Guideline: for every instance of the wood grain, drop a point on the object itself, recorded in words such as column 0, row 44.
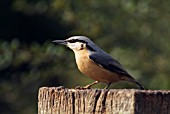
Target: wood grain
column 59, row 100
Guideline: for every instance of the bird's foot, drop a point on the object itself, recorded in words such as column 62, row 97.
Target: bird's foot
column 107, row 86
column 86, row 87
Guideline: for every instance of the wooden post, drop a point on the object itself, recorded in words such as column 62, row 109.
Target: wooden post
column 59, row 100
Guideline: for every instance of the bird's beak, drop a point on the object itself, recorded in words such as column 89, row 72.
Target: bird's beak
column 63, row 42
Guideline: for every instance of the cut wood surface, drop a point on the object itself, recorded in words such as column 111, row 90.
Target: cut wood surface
column 59, row 100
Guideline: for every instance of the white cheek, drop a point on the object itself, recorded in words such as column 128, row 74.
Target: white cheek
column 74, row 46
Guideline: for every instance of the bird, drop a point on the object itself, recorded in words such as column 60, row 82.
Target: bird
column 96, row 63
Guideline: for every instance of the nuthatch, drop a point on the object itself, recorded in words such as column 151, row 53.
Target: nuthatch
column 95, row 63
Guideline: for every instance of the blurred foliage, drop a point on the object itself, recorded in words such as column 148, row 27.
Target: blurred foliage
column 135, row 32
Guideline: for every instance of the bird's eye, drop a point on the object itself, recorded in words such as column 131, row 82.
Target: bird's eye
column 82, row 46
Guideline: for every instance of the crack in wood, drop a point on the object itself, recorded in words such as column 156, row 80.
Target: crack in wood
column 104, row 101
column 98, row 92
column 73, row 101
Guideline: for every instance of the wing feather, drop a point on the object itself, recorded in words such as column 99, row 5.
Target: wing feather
column 109, row 63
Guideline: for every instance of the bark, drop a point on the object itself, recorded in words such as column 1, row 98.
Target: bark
column 59, row 100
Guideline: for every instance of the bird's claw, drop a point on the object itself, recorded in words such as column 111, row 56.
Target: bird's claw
column 78, row 87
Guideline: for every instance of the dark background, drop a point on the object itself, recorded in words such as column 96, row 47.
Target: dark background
column 135, row 32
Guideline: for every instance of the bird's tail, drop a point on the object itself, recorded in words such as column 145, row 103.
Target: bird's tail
column 131, row 79
column 139, row 85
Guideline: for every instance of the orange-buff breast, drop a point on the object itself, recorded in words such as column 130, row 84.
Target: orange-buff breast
column 94, row 70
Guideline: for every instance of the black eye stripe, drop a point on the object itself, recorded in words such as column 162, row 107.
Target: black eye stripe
column 76, row 40
column 82, row 41
column 71, row 41
column 90, row 48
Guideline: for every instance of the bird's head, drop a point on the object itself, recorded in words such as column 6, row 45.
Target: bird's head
column 77, row 43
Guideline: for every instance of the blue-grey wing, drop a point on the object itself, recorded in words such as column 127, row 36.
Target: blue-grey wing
column 109, row 63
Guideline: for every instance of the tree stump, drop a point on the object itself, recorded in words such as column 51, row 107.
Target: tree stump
column 59, row 100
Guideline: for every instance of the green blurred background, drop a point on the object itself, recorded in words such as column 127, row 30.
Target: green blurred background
column 135, row 32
